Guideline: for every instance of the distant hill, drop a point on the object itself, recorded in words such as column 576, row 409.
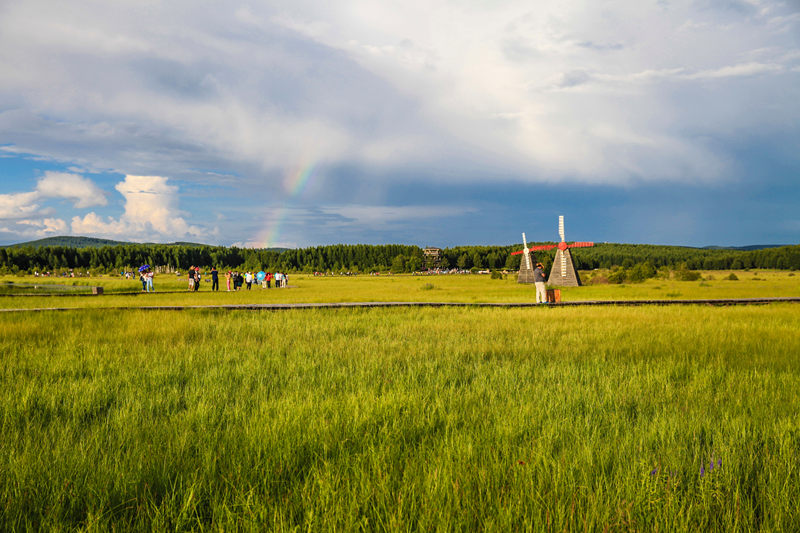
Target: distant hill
column 92, row 242
column 184, row 243
column 87, row 242
column 72, row 242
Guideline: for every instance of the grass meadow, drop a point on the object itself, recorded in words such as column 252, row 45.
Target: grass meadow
column 171, row 290
column 544, row 419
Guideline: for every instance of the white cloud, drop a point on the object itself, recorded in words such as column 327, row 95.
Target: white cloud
column 81, row 190
column 28, row 218
column 151, row 213
column 149, row 200
column 745, row 69
column 17, row 206
column 45, row 227
column 92, row 224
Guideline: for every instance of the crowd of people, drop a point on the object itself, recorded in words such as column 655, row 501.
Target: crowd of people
column 64, row 274
column 235, row 280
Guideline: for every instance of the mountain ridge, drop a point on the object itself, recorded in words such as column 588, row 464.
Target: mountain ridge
column 90, row 242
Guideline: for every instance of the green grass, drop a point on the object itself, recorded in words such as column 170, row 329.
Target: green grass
column 171, row 290
column 402, row 419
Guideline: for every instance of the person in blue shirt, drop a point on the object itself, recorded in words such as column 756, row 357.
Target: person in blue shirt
column 214, row 279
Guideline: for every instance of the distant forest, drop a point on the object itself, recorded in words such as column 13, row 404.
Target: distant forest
column 369, row 258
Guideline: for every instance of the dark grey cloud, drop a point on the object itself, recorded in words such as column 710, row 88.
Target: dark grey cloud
column 601, row 47
column 574, row 78
column 735, row 8
column 253, row 102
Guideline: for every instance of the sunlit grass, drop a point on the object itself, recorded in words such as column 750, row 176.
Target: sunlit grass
column 402, row 419
column 171, row 290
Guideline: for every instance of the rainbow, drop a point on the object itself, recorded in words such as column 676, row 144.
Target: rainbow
column 294, row 184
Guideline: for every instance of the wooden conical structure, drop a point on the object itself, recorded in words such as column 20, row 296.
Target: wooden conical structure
column 525, row 271
column 563, row 273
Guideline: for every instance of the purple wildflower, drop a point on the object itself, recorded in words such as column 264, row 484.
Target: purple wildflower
column 719, row 463
column 654, row 471
column 711, row 465
column 703, row 470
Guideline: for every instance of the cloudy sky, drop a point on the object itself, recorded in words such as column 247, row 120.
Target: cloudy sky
column 430, row 123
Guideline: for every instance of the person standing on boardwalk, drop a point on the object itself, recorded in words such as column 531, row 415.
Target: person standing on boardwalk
column 196, row 279
column 538, row 281
column 214, row 279
column 268, row 279
column 248, row 279
column 191, row 278
column 149, row 277
column 228, row 280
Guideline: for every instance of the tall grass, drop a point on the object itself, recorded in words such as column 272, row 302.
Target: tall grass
column 543, row 419
column 456, row 288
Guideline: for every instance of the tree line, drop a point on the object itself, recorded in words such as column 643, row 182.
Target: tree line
column 610, row 255
column 368, row 258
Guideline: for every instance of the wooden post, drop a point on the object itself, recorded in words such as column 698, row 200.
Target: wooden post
column 97, row 291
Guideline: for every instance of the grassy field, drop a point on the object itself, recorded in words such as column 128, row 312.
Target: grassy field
column 171, row 290
column 404, row 419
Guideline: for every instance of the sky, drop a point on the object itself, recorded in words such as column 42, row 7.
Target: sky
column 304, row 123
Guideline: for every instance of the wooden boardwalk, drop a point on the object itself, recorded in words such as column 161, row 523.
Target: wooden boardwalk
column 358, row 305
